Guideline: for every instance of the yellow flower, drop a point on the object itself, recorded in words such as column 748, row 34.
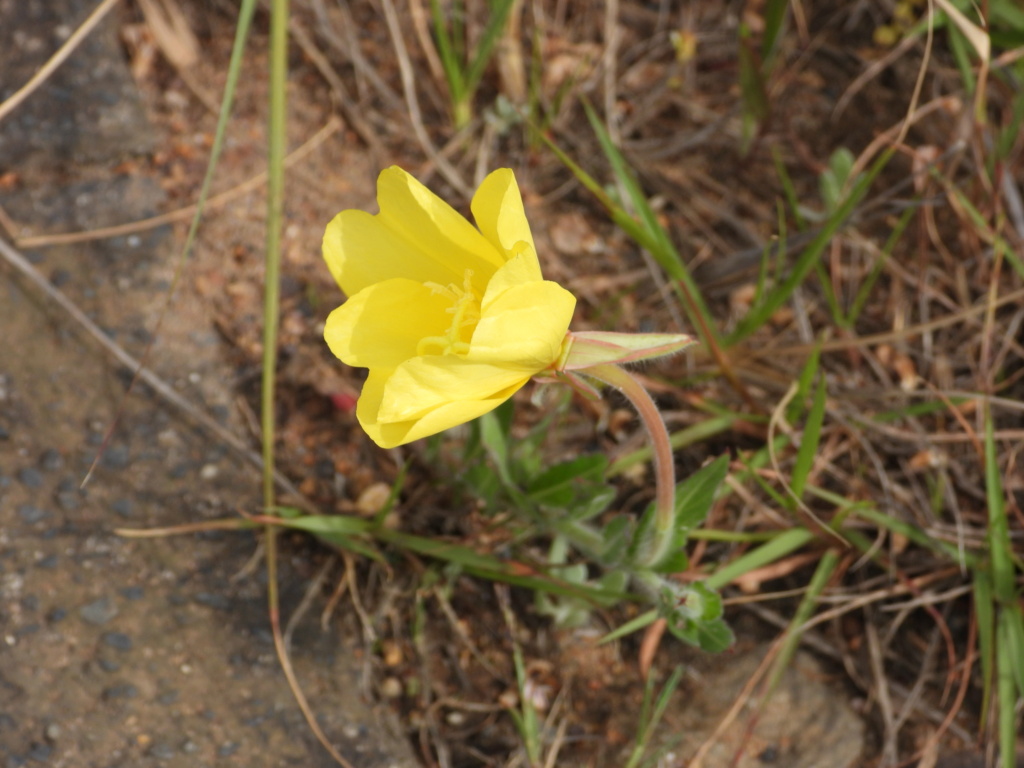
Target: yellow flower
column 451, row 320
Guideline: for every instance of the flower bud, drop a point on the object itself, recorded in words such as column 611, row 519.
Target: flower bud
column 584, row 349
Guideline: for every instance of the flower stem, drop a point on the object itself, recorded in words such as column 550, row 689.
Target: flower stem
column 664, row 465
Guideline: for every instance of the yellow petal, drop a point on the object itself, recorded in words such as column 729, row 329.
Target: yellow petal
column 524, row 327
column 423, row 384
column 373, row 328
column 517, row 271
column 388, row 434
column 416, row 235
column 498, row 209
column 444, row 417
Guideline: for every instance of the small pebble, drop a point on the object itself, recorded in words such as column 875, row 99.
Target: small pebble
column 132, row 593
column 179, row 470
column 162, row 751
column 167, row 698
column 56, row 615
column 30, row 603
column 391, row 688
column 67, row 500
column 227, row 749
column 190, row 747
column 30, row 477
column 60, row 277
column 52, row 732
column 115, row 457
column 50, row 561
column 98, row 612
column 40, row 753
column 109, row 665
column 213, row 600
column 118, row 641
column 124, row 691
column 122, row 507
column 30, row 513
column 51, row 460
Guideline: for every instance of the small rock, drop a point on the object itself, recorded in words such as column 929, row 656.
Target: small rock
column 98, row 612
column 30, row 477
column 115, row 457
column 132, row 593
column 51, row 460
column 30, row 513
column 372, row 500
column 167, row 698
column 213, row 600
column 391, row 688
column 56, row 615
column 68, row 501
column 118, row 641
column 122, row 507
column 227, row 749
column 162, row 751
column 40, row 753
column 123, row 691
column 60, row 278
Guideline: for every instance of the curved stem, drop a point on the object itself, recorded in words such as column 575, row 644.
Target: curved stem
column 664, row 465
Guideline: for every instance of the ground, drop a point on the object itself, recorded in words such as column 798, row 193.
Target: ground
column 158, row 651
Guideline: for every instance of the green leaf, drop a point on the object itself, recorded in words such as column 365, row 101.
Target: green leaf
column 676, row 560
column 590, row 507
column 1012, row 625
column 493, row 436
column 715, row 636
column 784, row 544
column 563, row 483
column 835, row 179
column 984, row 611
column 616, row 537
column 809, row 442
column 696, row 494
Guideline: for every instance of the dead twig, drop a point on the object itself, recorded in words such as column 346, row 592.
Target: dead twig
column 451, row 175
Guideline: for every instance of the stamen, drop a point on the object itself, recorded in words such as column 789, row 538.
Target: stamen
column 465, row 311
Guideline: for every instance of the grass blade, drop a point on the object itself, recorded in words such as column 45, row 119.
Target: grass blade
column 783, row 544
column 760, row 314
column 809, row 442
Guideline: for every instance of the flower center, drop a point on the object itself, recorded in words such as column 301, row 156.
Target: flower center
column 465, row 312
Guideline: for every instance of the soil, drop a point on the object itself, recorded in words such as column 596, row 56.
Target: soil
column 119, row 651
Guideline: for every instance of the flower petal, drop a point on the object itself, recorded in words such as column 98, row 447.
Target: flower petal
column 498, row 209
column 423, row 384
column 416, row 235
column 444, row 417
column 519, row 270
column 373, row 327
column 524, row 327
